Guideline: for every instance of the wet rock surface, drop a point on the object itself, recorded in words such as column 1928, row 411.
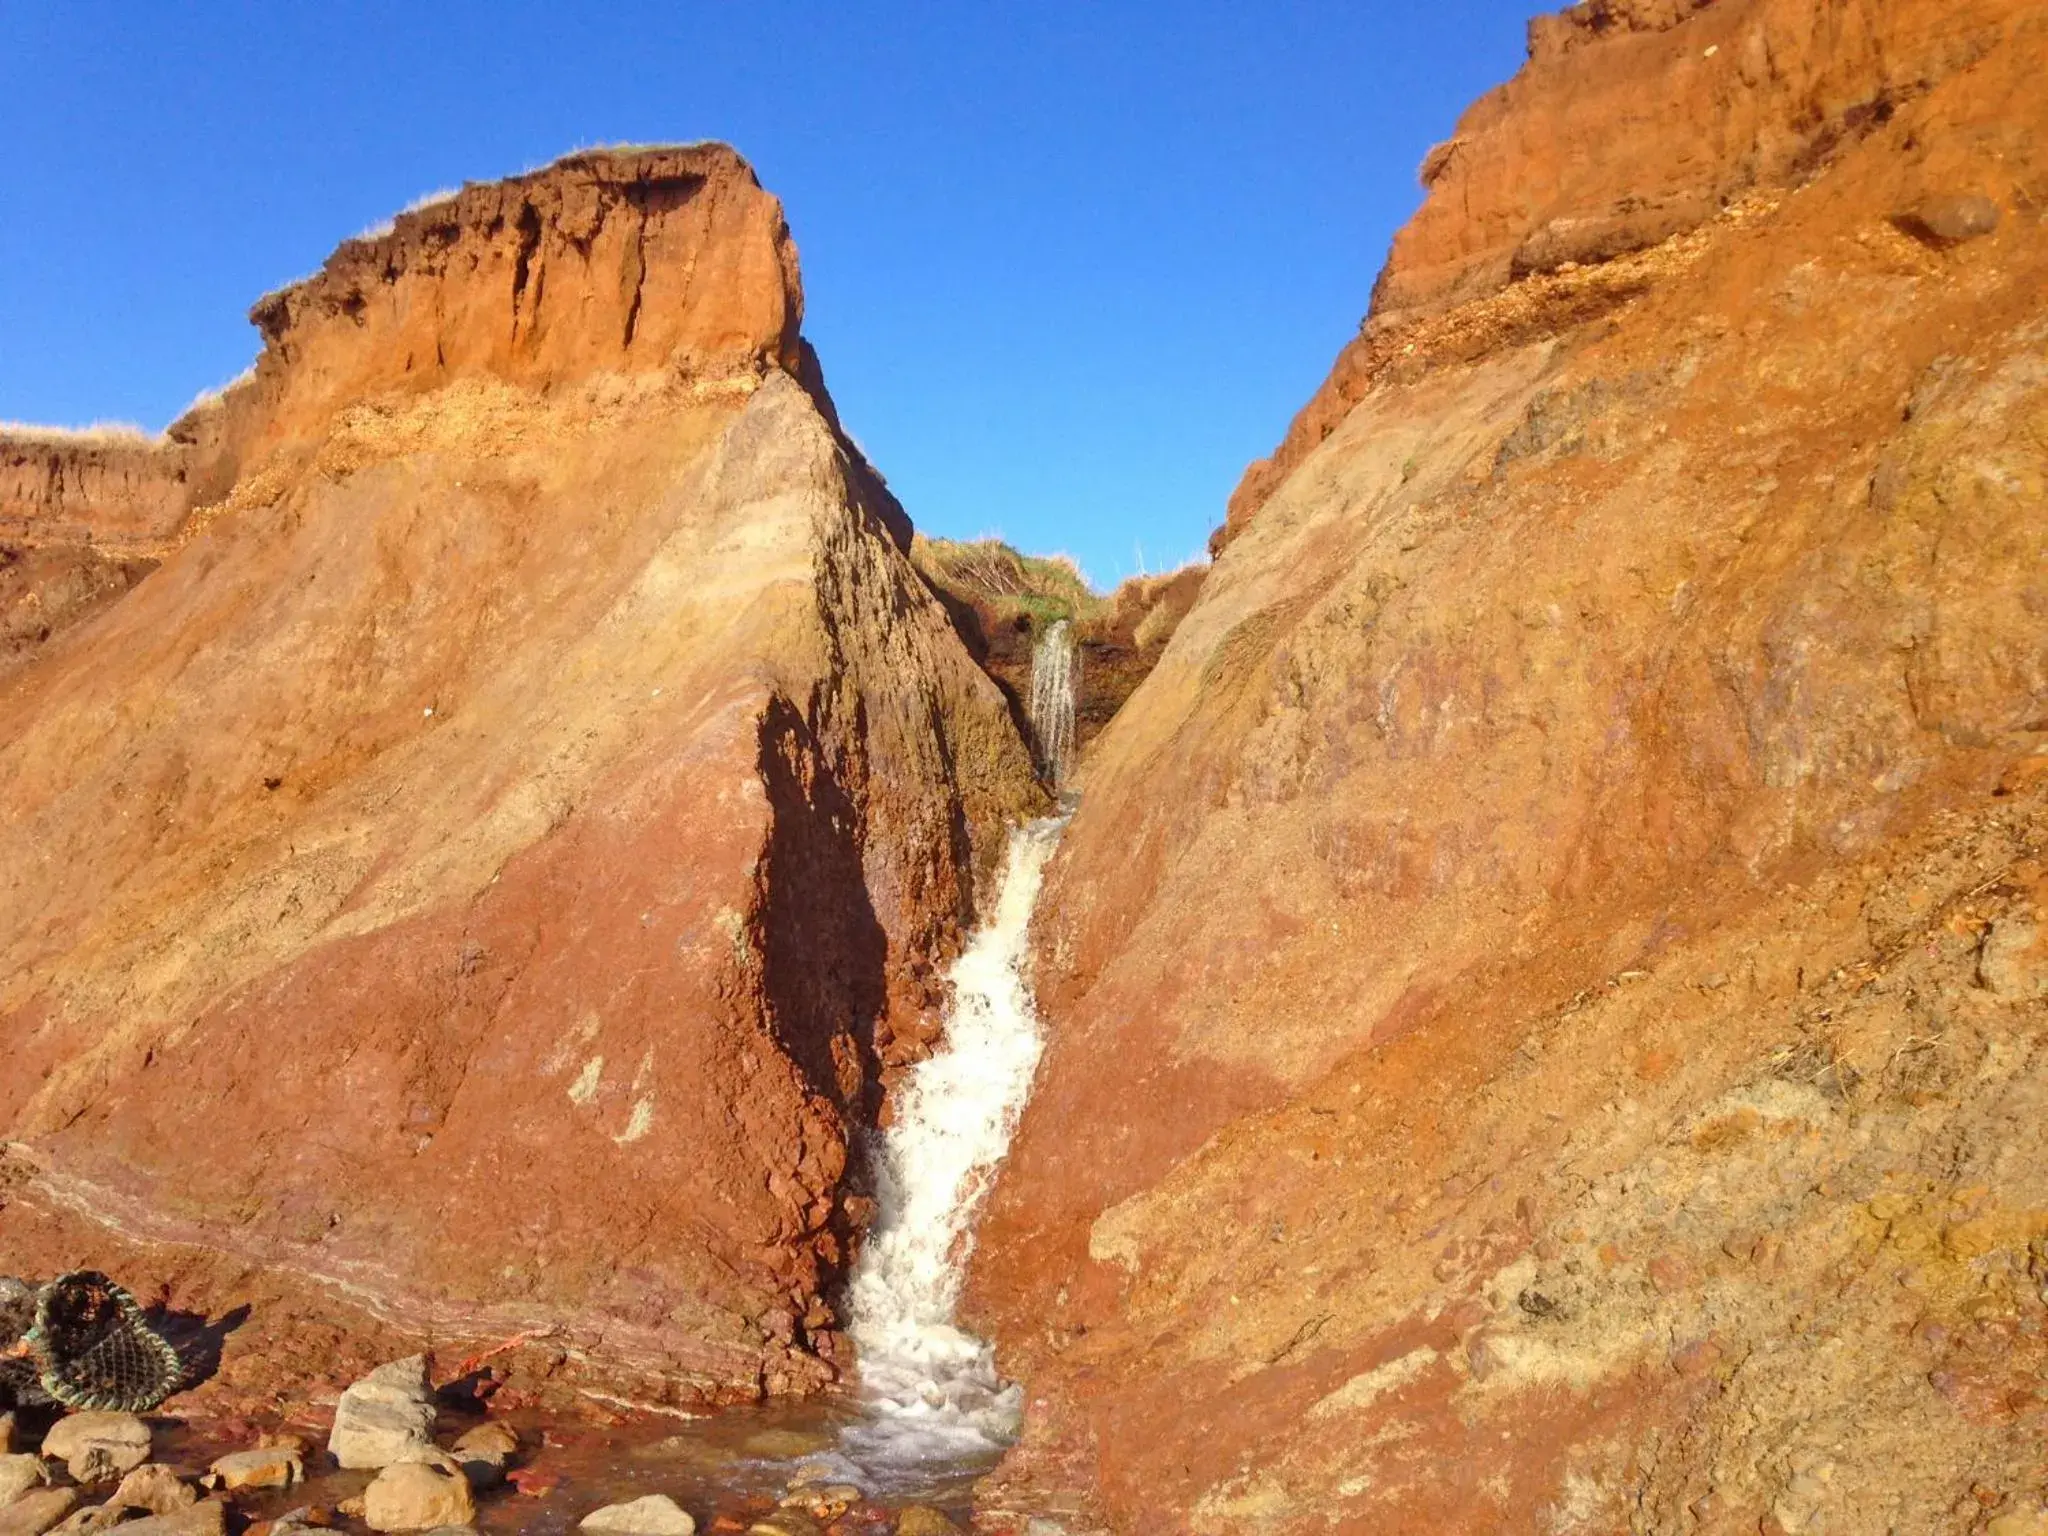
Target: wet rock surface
column 274, row 1467
column 485, row 1453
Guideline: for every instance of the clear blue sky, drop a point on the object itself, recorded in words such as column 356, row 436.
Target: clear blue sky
column 1070, row 266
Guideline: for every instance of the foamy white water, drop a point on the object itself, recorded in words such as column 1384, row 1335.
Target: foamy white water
column 930, row 1389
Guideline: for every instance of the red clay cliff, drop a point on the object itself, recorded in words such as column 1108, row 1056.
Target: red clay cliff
column 1545, row 988
column 485, row 873
column 1635, row 121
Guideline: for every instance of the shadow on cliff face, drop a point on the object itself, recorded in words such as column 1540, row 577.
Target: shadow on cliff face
column 825, row 951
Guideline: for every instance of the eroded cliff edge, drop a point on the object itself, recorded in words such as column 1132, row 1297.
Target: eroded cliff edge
column 486, row 872
column 1545, row 986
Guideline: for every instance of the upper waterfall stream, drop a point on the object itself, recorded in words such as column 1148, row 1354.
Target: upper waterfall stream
column 1055, row 694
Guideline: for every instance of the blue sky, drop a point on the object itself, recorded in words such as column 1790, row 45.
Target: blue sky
column 1070, row 266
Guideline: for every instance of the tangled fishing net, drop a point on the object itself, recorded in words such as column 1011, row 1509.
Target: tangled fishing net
column 82, row 1341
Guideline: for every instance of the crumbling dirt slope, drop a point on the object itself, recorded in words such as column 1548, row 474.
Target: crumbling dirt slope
column 83, row 516
column 488, row 869
column 1544, row 986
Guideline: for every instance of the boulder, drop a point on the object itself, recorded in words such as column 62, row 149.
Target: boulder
column 270, row 1467
column 418, row 1496
column 822, row 1501
column 484, row 1453
column 18, row 1474
column 385, row 1417
column 207, row 1518
column 492, row 1438
column 34, row 1513
column 98, row 1447
column 2011, row 961
column 1951, row 218
column 90, row 1520
column 156, row 1488
column 307, row 1517
column 655, row 1515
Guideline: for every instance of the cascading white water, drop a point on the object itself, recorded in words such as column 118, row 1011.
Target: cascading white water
column 1055, row 683
column 930, row 1389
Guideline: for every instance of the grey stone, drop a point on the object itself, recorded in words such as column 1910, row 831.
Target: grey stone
column 655, row 1515
column 18, row 1474
column 98, row 1447
column 386, row 1416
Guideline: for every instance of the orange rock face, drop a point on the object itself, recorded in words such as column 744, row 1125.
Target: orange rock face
column 83, row 516
column 664, row 260
column 80, row 487
column 489, row 867
column 1638, row 120
column 1529, row 1022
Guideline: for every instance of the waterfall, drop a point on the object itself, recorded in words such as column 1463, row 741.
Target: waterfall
column 1055, row 683
column 929, row 1389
